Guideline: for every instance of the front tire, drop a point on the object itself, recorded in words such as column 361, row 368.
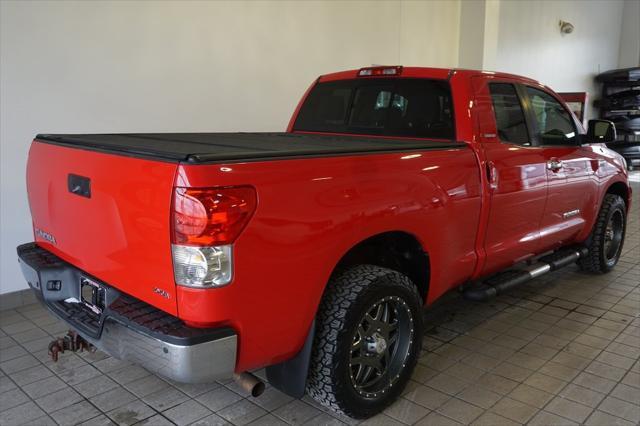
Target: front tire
column 367, row 342
column 607, row 237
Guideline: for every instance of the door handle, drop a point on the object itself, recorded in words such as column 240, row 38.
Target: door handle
column 554, row 165
column 492, row 175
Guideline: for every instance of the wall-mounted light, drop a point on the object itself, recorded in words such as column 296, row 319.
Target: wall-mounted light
column 566, row 27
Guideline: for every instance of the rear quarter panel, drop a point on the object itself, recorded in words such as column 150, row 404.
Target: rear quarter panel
column 310, row 213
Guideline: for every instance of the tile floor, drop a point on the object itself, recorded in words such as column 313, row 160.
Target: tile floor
column 564, row 349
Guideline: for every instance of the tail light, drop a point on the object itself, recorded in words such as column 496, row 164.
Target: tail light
column 205, row 223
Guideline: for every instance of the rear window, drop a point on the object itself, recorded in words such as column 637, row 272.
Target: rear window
column 389, row 107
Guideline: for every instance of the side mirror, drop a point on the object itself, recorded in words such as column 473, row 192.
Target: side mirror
column 601, row 131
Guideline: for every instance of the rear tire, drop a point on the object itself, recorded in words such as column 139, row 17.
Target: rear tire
column 607, row 237
column 367, row 342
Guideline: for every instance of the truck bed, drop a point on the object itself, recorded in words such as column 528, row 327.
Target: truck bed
column 218, row 147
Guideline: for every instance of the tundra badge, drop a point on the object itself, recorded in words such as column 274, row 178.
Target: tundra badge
column 45, row 235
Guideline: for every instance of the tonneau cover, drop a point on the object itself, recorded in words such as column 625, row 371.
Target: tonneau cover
column 214, row 147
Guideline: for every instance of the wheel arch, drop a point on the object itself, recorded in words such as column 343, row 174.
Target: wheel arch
column 621, row 189
column 397, row 250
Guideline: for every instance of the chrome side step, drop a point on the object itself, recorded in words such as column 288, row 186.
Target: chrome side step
column 507, row 280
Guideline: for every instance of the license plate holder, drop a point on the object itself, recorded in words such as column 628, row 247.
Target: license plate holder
column 92, row 295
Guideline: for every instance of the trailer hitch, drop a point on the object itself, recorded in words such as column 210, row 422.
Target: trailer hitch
column 72, row 341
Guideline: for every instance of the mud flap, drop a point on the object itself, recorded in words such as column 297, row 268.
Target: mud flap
column 290, row 376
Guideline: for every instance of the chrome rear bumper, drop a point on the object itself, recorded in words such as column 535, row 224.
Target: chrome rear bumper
column 128, row 328
column 198, row 363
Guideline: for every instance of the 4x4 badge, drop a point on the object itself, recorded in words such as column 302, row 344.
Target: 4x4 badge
column 161, row 292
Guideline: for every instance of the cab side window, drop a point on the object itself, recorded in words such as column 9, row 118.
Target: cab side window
column 555, row 124
column 510, row 121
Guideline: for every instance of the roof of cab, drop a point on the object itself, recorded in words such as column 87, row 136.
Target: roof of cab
column 423, row 72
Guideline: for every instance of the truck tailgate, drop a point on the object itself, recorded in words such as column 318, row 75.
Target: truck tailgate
column 108, row 215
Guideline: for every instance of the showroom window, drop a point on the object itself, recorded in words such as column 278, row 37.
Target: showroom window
column 510, row 121
column 389, row 107
column 555, row 124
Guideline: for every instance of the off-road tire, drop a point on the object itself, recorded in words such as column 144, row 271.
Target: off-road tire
column 596, row 261
column 346, row 299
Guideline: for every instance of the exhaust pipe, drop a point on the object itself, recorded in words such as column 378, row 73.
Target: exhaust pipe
column 249, row 383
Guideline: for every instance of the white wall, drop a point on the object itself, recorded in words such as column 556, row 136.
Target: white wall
column 530, row 42
column 183, row 66
column 630, row 35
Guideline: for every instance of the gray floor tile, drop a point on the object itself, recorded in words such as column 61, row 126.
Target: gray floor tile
column 12, row 352
column 12, row 398
column 19, row 364
column 600, row 418
column 272, row 399
column 242, row 412
column 620, row 408
column 514, row 410
column 44, row 387
column 95, row 386
column 381, row 420
column 215, row 420
column 128, row 374
column 458, row 410
column 569, row 409
column 626, row 393
column 497, row 384
column 146, row 385
column 218, row 399
column 435, row 418
column 58, row 399
column 546, row 383
column 101, row 420
column 196, row 389
column 21, row 414
column 165, row 398
column 112, row 399
column 157, row 420
column 6, row 384
column 605, row 370
column 325, row 419
column 186, row 413
column 132, row 413
column 296, row 412
column 446, row 384
column 78, row 375
column 18, row 327
column 30, row 375
column 492, row 419
column 582, row 395
column 427, row 397
column 544, row 418
column 75, row 413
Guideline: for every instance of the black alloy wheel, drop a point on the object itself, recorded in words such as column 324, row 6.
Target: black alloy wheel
column 613, row 235
column 381, row 346
column 368, row 337
column 607, row 237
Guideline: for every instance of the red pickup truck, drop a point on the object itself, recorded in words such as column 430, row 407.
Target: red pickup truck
column 313, row 252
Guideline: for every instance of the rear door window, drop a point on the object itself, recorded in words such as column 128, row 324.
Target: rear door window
column 510, row 121
column 390, row 107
